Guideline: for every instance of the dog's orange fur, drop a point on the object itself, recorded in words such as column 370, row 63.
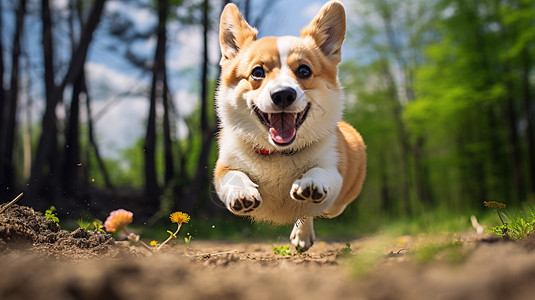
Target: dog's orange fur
column 352, row 163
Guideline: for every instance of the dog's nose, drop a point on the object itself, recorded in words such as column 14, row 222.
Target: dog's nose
column 283, row 97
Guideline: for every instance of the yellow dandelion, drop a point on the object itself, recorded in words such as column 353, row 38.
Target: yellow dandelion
column 494, row 204
column 153, row 243
column 179, row 217
column 118, row 219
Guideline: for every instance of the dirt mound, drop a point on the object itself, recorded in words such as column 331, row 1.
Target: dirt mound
column 22, row 227
column 39, row 260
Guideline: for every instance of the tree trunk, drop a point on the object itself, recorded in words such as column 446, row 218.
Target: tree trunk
column 7, row 130
column 528, row 113
column 498, row 191
column 149, row 150
column 2, row 90
column 419, row 182
column 47, row 140
column 204, row 73
column 385, row 205
column 515, row 151
column 200, row 179
column 403, row 139
column 421, row 174
column 168, row 143
column 93, row 143
column 71, row 160
column 27, row 127
column 158, row 89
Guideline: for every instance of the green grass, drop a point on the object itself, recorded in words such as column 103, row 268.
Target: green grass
column 236, row 229
column 283, row 250
column 450, row 252
column 515, row 222
column 343, row 228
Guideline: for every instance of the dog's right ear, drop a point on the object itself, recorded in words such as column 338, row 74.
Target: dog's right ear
column 234, row 32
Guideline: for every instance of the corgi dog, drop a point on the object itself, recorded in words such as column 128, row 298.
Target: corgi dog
column 285, row 156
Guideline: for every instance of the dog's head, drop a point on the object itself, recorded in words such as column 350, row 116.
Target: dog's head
column 281, row 93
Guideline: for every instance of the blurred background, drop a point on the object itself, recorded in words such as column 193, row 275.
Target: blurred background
column 109, row 104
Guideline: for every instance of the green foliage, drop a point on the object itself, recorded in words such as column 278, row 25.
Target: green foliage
column 282, row 250
column 453, row 70
column 450, row 252
column 50, row 214
column 516, row 229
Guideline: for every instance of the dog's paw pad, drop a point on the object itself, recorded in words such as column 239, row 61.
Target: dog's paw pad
column 237, row 206
column 307, row 190
column 245, row 203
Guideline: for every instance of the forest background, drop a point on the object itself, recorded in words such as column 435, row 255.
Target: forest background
column 107, row 104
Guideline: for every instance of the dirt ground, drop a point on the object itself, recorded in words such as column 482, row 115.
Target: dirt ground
column 38, row 260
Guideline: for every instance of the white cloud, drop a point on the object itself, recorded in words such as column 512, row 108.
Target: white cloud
column 105, row 83
column 141, row 17
column 188, row 52
column 60, row 4
column 185, row 102
column 122, row 125
column 122, row 117
column 311, row 10
column 121, row 104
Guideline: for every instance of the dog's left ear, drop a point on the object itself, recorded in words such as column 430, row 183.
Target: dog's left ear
column 328, row 30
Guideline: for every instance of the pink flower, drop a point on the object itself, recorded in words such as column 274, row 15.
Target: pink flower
column 118, row 219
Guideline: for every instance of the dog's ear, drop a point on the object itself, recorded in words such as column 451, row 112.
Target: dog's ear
column 328, row 30
column 234, row 32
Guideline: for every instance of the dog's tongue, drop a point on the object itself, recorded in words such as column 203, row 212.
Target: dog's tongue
column 282, row 128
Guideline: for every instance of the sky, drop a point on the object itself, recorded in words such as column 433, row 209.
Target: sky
column 118, row 90
column 124, row 122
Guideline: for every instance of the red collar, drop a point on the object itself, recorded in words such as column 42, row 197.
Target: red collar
column 263, row 151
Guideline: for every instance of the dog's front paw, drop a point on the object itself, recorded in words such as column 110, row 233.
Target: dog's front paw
column 307, row 189
column 241, row 198
column 243, row 201
column 239, row 194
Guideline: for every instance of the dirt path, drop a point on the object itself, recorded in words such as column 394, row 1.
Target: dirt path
column 40, row 261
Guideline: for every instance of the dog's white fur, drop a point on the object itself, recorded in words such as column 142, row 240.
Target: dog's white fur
column 278, row 187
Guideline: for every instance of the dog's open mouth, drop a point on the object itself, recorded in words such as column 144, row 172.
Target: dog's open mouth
column 282, row 126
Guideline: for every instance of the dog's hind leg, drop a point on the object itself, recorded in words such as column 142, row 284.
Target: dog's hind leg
column 303, row 236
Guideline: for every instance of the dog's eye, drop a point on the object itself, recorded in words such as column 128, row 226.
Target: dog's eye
column 303, row 72
column 258, row 73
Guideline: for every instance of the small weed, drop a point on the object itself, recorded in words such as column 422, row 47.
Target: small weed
column 51, row 215
column 187, row 239
column 84, row 224
column 282, row 250
column 88, row 225
column 516, row 229
column 98, row 226
column 346, row 251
